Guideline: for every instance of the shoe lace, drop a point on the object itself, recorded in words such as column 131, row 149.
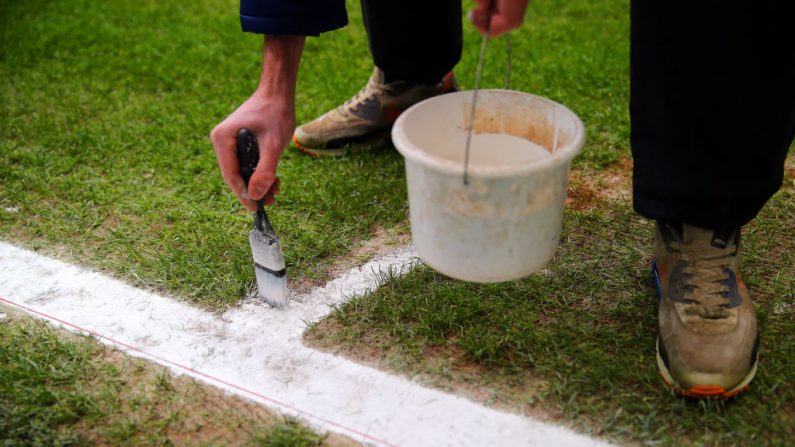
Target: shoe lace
column 705, row 273
column 361, row 98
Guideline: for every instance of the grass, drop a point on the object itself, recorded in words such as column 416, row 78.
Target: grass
column 575, row 342
column 58, row 389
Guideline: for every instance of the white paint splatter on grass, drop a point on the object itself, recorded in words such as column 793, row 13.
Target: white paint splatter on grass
column 256, row 351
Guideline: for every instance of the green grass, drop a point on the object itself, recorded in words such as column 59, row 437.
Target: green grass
column 575, row 342
column 58, row 390
column 105, row 110
column 291, row 433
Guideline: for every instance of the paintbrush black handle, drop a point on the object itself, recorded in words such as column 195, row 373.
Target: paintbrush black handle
column 248, row 157
column 247, row 153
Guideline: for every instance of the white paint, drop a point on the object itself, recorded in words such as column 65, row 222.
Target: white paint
column 255, row 347
column 489, row 149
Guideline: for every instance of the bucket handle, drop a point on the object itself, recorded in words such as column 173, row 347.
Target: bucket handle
column 478, row 75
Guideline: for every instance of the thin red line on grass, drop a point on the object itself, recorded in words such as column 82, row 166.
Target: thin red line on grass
column 196, row 372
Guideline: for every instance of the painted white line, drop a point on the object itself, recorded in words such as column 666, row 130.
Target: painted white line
column 256, row 351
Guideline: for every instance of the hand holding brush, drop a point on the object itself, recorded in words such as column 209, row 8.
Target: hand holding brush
column 265, row 246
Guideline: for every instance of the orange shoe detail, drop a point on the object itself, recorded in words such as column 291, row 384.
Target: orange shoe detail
column 447, row 82
column 391, row 113
column 662, row 270
column 740, row 282
column 301, row 148
column 705, row 391
column 709, row 392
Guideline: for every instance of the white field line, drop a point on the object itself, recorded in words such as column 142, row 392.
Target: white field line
column 256, row 351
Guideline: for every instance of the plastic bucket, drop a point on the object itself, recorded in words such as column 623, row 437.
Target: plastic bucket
column 505, row 223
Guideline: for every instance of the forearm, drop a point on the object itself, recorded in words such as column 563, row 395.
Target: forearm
column 282, row 55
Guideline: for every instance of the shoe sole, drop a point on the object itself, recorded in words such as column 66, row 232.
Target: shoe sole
column 370, row 142
column 713, row 392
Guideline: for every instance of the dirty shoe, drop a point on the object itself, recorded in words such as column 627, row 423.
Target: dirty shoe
column 708, row 340
column 364, row 121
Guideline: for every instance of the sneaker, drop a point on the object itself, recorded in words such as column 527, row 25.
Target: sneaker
column 365, row 120
column 708, row 340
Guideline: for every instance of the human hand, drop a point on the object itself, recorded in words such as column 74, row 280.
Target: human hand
column 270, row 115
column 271, row 120
column 497, row 16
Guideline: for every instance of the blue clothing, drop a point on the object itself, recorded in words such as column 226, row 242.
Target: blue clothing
column 297, row 17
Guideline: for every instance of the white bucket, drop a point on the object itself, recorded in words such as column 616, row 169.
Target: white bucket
column 506, row 222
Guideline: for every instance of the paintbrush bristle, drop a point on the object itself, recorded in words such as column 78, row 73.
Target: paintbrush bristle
column 272, row 288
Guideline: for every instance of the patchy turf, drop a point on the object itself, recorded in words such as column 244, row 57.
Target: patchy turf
column 575, row 342
column 58, row 389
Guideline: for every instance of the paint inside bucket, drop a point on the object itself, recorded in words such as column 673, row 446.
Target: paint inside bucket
column 488, row 149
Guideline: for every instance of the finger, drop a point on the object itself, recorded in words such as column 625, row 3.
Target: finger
column 508, row 16
column 265, row 173
column 483, row 6
column 269, row 199
column 224, row 144
column 270, row 196
column 276, row 188
column 478, row 20
column 501, row 24
column 261, row 181
column 250, row 205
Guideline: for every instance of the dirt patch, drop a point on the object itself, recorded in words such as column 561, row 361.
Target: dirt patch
column 590, row 187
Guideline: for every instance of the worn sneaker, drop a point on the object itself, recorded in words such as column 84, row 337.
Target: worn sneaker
column 708, row 340
column 364, row 121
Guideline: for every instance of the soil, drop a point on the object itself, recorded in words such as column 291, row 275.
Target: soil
column 589, row 188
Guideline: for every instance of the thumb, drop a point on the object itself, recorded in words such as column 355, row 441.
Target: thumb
column 264, row 175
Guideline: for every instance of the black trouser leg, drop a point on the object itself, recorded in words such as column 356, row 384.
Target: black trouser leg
column 413, row 40
column 712, row 107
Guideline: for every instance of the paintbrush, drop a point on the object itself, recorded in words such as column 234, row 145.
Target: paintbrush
column 265, row 246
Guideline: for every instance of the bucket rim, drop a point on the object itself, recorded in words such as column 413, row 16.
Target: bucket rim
column 410, row 151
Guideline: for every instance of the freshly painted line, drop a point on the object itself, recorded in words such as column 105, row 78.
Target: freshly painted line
column 256, row 351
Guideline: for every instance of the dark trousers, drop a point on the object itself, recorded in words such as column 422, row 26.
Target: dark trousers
column 712, row 96
column 712, row 107
column 414, row 40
